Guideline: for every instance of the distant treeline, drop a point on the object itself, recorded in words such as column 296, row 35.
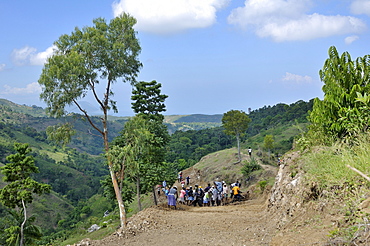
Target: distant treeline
column 271, row 116
column 190, row 146
column 200, row 118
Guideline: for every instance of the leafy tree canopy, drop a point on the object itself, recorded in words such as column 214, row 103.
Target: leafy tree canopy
column 17, row 173
column 340, row 113
column 148, row 100
column 236, row 123
column 86, row 57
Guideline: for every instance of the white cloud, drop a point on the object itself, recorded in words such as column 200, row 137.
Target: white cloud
column 2, row 67
column 169, row 16
column 297, row 79
column 29, row 56
column 360, row 7
column 286, row 20
column 21, row 56
column 29, row 89
column 40, row 58
column 350, row 39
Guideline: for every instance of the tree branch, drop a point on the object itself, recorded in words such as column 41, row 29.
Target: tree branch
column 359, row 172
column 92, row 85
column 88, row 117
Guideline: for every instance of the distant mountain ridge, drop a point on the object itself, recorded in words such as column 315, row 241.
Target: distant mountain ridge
column 33, row 110
column 37, row 111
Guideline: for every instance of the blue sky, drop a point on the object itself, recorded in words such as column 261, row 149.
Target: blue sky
column 210, row 56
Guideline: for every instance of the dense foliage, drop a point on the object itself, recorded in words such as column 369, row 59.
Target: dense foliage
column 271, row 116
column 249, row 167
column 192, row 145
column 19, row 191
column 341, row 114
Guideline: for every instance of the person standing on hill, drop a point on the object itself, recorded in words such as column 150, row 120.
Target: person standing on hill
column 250, row 151
column 180, row 177
column 188, row 180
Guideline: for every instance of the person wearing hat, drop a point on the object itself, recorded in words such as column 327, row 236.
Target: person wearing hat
column 200, row 196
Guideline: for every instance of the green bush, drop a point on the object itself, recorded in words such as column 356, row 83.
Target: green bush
column 250, row 167
column 262, row 185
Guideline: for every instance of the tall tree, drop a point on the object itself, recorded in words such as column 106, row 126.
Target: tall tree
column 148, row 102
column 340, row 114
column 86, row 60
column 236, row 123
column 21, row 187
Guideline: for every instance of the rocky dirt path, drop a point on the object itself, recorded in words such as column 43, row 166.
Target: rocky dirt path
column 237, row 224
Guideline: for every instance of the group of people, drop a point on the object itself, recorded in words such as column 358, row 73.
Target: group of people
column 212, row 195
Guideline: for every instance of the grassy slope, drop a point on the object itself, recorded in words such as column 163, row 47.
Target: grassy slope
column 31, row 110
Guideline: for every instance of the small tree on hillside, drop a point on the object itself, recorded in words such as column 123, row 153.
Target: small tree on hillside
column 268, row 142
column 21, row 187
column 136, row 142
column 236, row 123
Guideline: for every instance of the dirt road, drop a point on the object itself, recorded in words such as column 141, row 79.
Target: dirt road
column 237, row 224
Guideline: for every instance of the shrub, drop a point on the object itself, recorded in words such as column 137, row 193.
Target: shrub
column 250, row 167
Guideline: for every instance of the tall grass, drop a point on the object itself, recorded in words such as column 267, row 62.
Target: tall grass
column 328, row 165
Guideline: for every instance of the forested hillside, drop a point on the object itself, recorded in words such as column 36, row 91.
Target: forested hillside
column 193, row 136
column 77, row 172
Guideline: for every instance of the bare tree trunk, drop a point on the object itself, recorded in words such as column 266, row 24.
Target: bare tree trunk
column 23, row 223
column 238, row 143
column 121, row 205
column 359, row 172
column 238, row 140
column 138, row 192
column 117, row 190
